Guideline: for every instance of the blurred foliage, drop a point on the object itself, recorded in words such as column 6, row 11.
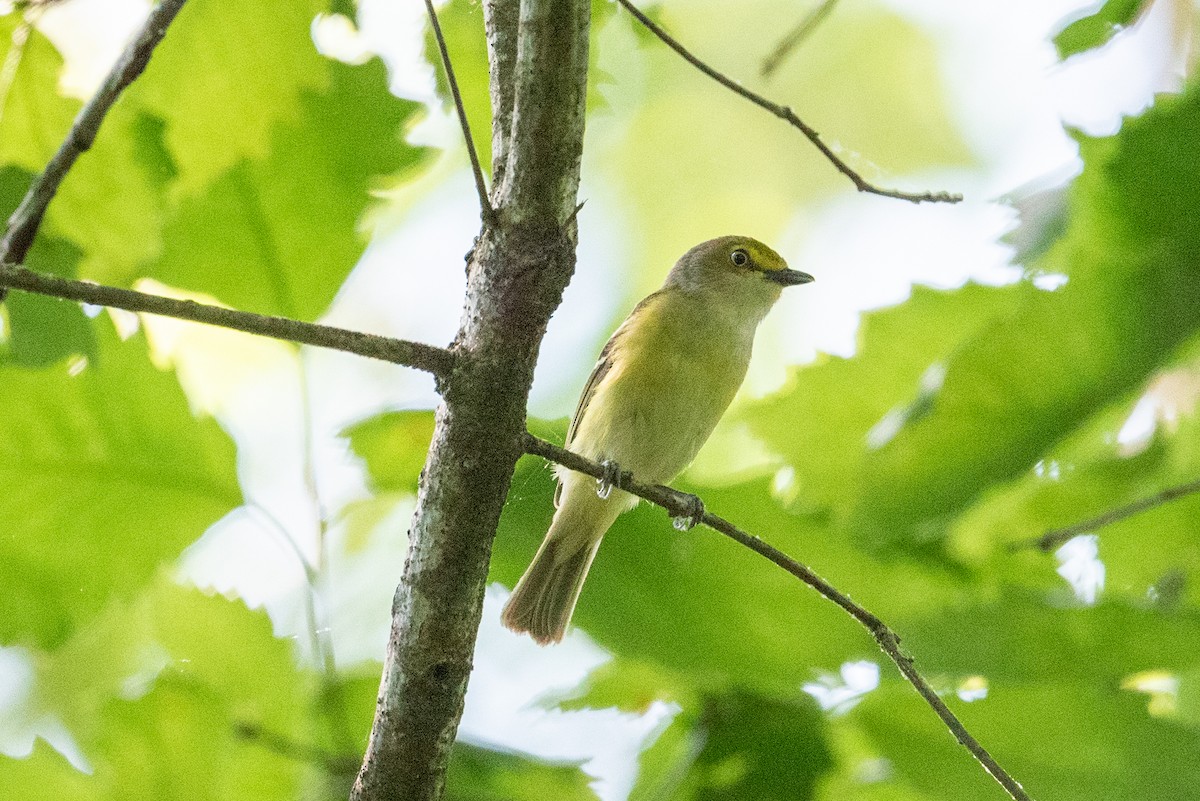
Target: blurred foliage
column 1095, row 30
column 969, row 420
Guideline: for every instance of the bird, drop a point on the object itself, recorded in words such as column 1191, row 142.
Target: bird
column 659, row 387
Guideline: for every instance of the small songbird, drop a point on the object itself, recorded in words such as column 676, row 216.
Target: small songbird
column 661, row 384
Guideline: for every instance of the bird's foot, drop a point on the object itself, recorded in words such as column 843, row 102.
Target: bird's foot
column 693, row 509
column 612, row 478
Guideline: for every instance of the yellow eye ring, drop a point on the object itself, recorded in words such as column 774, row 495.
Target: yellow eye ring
column 739, row 257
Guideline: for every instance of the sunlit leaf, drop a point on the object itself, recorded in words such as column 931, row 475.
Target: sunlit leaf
column 109, row 474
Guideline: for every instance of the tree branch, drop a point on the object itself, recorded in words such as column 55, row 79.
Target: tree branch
column 485, row 205
column 1056, row 537
column 515, row 279
column 679, row 504
column 502, row 19
column 796, row 36
column 397, row 351
column 786, row 114
column 25, row 221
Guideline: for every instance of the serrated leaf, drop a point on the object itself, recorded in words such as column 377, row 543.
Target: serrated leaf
column 824, row 421
column 286, row 225
column 167, row 697
column 245, row 71
column 110, row 475
column 1022, row 385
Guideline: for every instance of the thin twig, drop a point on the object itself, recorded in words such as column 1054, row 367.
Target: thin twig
column 786, row 114
column 485, row 205
column 795, row 36
column 679, row 504
column 336, row 764
column 397, row 351
column 25, row 221
column 1056, row 537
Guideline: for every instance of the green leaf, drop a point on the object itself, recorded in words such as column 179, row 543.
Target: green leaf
column 486, row 774
column 709, row 610
column 111, row 203
column 1025, row 382
column 45, row 775
column 288, row 223
column 737, row 746
column 109, row 475
column 163, row 706
column 1021, row 638
column 43, row 330
column 1063, row 740
column 844, row 403
column 394, row 446
column 1095, row 30
column 246, row 72
column 33, row 116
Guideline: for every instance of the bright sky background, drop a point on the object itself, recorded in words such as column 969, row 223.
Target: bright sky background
column 1010, row 98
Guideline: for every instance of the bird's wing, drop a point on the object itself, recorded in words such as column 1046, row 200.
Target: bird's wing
column 604, row 363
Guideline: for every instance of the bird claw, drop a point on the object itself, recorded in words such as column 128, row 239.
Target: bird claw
column 694, row 512
column 611, row 478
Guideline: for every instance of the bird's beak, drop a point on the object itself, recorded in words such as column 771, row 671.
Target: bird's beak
column 787, row 277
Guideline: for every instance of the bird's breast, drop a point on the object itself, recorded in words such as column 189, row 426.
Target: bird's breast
column 671, row 380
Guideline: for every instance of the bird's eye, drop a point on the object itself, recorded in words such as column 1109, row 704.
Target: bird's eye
column 739, row 258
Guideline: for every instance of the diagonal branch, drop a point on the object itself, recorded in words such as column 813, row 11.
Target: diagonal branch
column 679, row 504
column 796, row 36
column 787, row 115
column 25, row 221
column 397, row 351
column 485, row 205
column 1056, row 537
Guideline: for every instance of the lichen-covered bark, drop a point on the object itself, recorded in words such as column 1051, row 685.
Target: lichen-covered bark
column 516, row 276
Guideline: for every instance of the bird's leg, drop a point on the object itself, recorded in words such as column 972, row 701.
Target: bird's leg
column 694, row 512
column 612, row 478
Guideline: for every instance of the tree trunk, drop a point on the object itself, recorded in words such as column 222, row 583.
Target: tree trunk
column 515, row 278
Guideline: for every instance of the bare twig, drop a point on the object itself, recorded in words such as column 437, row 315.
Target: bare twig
column 398, row 351
column 485, row 205
column 796, row 36
column 336, row 764
column 786, row 114
column 25, row 221
column 679, row 504
column 1056, row 537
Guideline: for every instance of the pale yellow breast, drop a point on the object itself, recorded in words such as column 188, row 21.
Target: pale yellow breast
column 673, row 375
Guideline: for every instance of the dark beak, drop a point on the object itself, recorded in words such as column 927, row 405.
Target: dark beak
column 787, row 277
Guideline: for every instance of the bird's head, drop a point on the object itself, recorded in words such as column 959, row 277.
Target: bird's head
column 742, row 269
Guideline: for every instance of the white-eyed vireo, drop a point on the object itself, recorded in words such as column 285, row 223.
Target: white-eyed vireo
column 663, row 380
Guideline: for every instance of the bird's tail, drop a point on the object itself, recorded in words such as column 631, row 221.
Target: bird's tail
column 544, row 598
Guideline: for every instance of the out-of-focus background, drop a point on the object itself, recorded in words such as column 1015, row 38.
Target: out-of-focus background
column 1027, row 361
